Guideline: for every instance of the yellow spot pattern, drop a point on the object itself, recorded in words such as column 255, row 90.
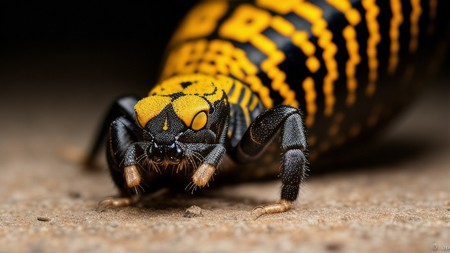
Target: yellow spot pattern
column 314, row 15
column 414, row 18
column 246, row 25
column 201, row 20
column 372, row 11
column 394, row 32
column 349, row 33
column 198, row 55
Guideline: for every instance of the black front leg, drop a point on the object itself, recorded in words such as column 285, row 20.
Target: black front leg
column 260, row 134
column 123, row 152
column 123, row 148
column 123, row 106
column 212, row 155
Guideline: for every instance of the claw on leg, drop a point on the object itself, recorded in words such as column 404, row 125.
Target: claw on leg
column 117, row 202
column 282, row 206
column 203, row 174
column 132, row 176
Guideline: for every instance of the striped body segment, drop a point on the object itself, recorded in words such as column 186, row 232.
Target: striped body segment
column 242, row 79
column 347, row 64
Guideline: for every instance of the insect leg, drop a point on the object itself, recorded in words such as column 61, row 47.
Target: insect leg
column 123, row 150
column 287, row 121
column 123, row 106
column 119, row 126
column 206, row 170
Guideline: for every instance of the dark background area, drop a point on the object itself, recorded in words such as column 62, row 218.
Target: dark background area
column 123, row 39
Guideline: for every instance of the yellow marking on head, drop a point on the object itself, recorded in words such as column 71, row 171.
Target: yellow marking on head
column 310, row 98
column 166, row 125
column 188, row 107
column 372, row 11
column 414, row 18
column 150, row 107
column 201, row 20
column 201, row 85
column 314, row 15
column 199, row 121
column 394, row 32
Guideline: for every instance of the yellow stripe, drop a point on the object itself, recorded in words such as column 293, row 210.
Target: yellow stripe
column 349, row 33
column 314, row 15
column 253, row 104
column 298, row 38
column 274, row 57
column 372, row 11
column 394, row 32
column 414, row 18
column 228, row 60
column 345, row 6
column 310, row 98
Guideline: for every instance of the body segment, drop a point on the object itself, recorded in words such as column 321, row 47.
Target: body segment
column 246, row 81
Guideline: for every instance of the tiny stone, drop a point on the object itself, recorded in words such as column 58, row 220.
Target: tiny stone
column 74, row 194
column 334, row 246
column 193, row 211
column 40, row 218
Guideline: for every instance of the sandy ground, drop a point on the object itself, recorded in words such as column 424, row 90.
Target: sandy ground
column 396, row 200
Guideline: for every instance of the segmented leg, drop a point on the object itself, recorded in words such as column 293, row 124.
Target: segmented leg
column 123, row 106
column 212, row 155
column 286, row 120
column 121, row 155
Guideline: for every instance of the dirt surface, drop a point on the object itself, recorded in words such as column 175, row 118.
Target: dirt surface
column 396, row 200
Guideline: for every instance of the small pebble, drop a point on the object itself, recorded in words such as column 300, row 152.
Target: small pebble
column 74, row 194
column 193, row 211
column 40, row 218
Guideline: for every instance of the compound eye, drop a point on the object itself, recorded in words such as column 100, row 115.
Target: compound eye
column 199, row 121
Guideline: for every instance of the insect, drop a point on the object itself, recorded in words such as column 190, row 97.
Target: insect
column 246, row 81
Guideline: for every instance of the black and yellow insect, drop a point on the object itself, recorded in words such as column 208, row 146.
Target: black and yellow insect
column 239, row 74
